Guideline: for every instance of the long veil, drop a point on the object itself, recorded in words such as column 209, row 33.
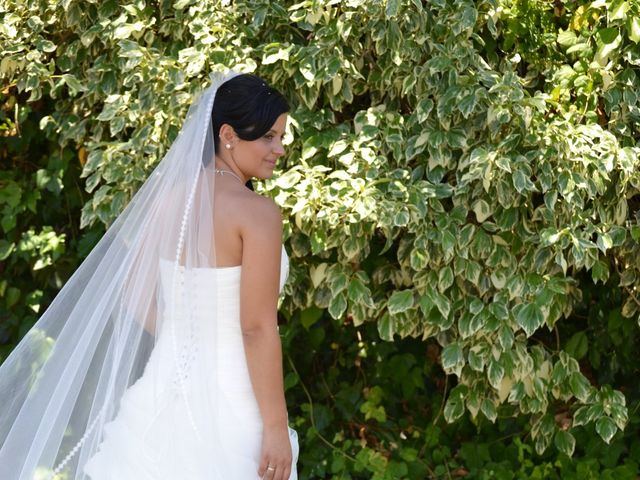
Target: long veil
column 62, row 384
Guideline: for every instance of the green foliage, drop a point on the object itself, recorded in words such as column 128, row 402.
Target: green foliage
column 462, row 178
column 354, row 374
column 39, row 248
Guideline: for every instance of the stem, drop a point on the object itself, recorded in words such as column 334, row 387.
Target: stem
column 312, row 418
column 630, row 293
column 444, row 399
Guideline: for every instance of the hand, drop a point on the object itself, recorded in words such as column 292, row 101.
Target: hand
column 276, row 455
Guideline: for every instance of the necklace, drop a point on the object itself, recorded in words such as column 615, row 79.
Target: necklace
column 222, row 172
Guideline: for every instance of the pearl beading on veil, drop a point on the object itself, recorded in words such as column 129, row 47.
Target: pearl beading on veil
column 58, row 468
column 182, row 370
column 189, row 348
column 63, row 463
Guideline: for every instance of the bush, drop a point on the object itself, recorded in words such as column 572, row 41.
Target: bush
column 461, row 195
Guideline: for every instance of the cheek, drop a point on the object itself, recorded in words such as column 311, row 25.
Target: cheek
column 256, row 151
column 253, row 153
column 261, row 149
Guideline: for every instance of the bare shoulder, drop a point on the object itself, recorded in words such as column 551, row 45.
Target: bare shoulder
column 260, row 214
column 261, row 234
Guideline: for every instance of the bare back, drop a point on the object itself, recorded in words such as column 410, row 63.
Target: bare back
column 235, row 212
column 230, row 207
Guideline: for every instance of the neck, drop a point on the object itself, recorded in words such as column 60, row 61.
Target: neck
column 221, row 164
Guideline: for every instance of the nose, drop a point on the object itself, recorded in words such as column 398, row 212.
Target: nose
column 278, row 148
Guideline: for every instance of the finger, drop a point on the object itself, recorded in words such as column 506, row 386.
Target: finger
column 277, row 474
column 262, row 469
column 286, row 471
column 270, row 472
column 282, row 471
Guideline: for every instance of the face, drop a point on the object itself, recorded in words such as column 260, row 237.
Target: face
column 258, row 158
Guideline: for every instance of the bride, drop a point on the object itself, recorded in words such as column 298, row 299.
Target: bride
column 160, row 357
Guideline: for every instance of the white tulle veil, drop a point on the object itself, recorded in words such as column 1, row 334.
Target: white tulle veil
column 63, row 382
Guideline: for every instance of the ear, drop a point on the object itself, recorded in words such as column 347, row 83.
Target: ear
column 227, row 134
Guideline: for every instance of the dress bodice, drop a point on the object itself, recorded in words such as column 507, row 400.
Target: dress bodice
column 201, row 278
column 195, row 396
column 204, row 313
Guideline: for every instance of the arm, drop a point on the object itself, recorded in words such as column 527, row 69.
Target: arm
column 259, row 288
column 143, row 290
column 140, row 297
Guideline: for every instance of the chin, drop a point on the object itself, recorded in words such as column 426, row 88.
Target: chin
column 268, row 172
column 263, row 176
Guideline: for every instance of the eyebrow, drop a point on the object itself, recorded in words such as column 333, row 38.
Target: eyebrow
column 274, row 131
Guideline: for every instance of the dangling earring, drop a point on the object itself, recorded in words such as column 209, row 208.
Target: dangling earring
column 227, row 146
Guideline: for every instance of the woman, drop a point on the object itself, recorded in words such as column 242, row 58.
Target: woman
column 160, row 358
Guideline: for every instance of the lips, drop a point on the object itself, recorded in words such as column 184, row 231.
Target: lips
column 271, row 162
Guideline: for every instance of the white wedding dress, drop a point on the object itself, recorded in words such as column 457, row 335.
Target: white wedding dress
column 152, row 436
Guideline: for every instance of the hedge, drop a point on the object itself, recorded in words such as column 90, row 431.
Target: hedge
column 460, row 192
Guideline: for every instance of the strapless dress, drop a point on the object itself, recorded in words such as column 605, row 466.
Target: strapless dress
column 193, row 413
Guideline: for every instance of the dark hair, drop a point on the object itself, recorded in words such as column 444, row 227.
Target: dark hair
column 249, row 105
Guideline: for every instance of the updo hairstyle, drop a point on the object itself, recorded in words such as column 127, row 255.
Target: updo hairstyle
column 249, row 105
